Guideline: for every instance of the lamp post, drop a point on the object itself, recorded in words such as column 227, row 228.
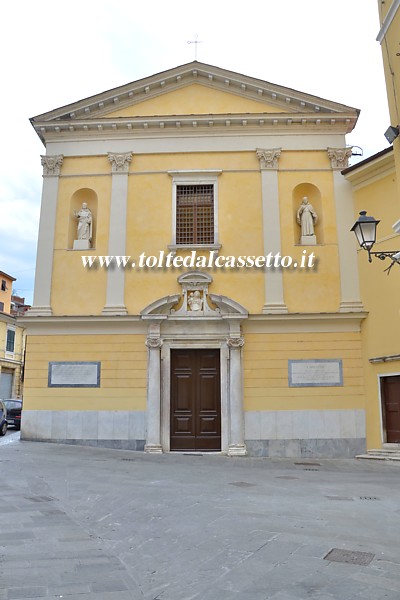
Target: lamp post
column 365, row 232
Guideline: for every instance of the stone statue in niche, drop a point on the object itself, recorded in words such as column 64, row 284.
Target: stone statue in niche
column 307, row 218
column 85, row 228
column 195, row 301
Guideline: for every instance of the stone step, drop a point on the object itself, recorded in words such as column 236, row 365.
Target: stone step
column 391, row 447
column 382, row 454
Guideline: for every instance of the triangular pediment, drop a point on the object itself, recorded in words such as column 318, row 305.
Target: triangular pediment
column 192, row 90
column 195, row 99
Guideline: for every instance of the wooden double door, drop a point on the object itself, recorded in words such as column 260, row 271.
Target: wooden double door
column 195, row 400
column 390, row 389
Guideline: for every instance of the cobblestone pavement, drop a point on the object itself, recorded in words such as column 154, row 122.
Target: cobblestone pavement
column 84, row 523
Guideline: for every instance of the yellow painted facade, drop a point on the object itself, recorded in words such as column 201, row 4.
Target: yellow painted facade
column 150, row 229
column 123, row 372
column 375, row 183
column 376, row 189
column 265, row 371
column 262, row 149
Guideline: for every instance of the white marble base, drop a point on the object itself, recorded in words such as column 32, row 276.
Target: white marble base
column 153, row 449
column 326, row 448
column 237, row 450
column 308, row 240
column 58, row 425
column 304, row 424
column 81, row 245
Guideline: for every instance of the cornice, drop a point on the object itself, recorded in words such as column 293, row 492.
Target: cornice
column 373, row 170
column 6, row 318
column 84, row 325
column 134, row 324
column 305, row 322
column 197, row 125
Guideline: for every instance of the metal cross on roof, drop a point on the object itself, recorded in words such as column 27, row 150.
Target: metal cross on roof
column 195, row 42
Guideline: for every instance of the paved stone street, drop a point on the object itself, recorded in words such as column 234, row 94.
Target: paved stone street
column 95, row 524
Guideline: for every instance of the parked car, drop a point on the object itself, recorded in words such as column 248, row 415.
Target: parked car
column 3, row 418
column 14, row 408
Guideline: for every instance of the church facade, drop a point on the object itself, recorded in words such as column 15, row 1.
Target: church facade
column 197, row 283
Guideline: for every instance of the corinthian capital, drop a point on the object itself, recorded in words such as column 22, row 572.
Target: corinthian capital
column 268, row 158
column 120, row 162
column 51, row 165
column 154, row 343
column 235, row 343
column 339, row 157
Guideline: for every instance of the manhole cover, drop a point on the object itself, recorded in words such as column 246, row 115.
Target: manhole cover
column 351, row 557
column 242, row 484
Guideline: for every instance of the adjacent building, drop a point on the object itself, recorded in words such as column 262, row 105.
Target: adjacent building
column 376, row 189
column 11, row 343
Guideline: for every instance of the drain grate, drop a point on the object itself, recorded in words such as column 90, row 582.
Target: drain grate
column 369, row 498
column 351, row 557
column 286, row 477
column 192, row 454
column 310, row 469
column 39, row 498
column 339, row 498
column 308, row 464
column 242, row 484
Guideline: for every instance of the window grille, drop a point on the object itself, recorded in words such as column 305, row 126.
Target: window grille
column 195, row 214
column 1, row 306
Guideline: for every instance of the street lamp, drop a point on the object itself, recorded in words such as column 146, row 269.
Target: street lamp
column 365, row 232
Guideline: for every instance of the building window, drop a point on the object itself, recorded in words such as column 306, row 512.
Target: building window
column 194, row 214
column 195, row 209
column 3, row 285
column 1, row 306
column 10, row 340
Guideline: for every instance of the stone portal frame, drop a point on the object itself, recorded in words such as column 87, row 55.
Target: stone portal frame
column 193, row 344
column 218, row 328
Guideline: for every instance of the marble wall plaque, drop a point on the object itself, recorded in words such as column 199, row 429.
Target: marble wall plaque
column 74, row 374
column 318, row 372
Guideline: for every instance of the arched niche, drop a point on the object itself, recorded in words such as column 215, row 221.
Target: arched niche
column 314, row 197
column 77, row 199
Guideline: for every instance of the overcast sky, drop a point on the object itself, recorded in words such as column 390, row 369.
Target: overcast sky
column 54, row 54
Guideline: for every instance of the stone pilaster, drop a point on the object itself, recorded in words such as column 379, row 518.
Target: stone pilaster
column 349, row 282
column 153, row 440
column 115, row 298
column 273, row 280
column 236, row 446
column 44, row 258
